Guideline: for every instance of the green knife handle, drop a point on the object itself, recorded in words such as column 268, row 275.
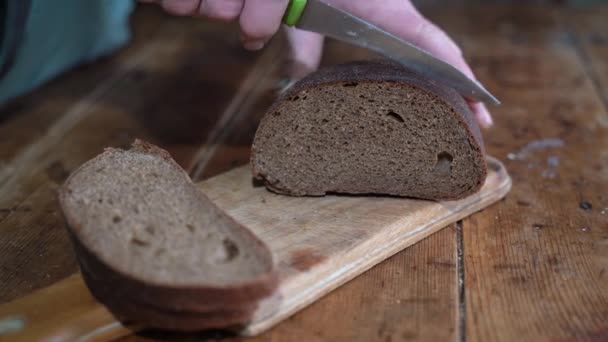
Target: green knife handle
column 294, row 12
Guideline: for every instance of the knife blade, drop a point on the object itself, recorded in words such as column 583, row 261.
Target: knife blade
column 317, row 16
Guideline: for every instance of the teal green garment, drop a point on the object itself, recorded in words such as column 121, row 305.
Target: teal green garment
column 60, row 34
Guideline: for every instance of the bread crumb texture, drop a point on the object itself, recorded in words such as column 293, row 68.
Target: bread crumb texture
column 370, row 128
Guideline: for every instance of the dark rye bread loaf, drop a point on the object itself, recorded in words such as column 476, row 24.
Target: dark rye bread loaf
column 370, row 128
column 142, row 229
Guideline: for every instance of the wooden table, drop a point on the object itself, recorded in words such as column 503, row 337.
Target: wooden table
column 533, row 267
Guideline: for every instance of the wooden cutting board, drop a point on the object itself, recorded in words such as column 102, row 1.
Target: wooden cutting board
column 318, row 244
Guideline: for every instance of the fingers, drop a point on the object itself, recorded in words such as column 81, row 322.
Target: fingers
column 481, row 114
column 179, row 7
column 426, row 35
column 226, row 10
column 260, row 20
column 306, row 49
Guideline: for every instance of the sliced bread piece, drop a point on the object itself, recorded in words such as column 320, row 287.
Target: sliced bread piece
column 140, row 225
column 370, row 128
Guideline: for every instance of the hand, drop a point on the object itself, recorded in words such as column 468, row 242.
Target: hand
column 261, row 19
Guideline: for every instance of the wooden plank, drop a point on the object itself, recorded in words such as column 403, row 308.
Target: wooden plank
column 35, row 317
column 170, row 90
column 535, row 266
column 588, row 27
column 409, row 296
column 318, row 245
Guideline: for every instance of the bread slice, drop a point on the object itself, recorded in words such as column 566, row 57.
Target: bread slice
column 370, row 128
column 140, row 226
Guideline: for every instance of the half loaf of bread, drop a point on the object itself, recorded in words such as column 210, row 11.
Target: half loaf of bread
column 370, row 128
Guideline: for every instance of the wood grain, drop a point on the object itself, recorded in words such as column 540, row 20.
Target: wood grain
column 535, row 265
column 410, row 296
column 588, row 27
column 65, row 311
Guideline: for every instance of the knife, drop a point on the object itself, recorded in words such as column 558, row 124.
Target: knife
column 317, row 16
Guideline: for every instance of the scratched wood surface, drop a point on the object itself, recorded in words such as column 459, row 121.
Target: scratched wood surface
column 532, row 267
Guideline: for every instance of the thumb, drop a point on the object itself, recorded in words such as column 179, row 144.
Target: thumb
column 305, row 51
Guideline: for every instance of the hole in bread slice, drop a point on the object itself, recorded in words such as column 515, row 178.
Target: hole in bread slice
column 444, row 163
column 391, row 114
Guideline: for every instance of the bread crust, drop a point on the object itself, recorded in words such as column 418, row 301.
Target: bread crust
column 99, row 276
column 150, row 317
